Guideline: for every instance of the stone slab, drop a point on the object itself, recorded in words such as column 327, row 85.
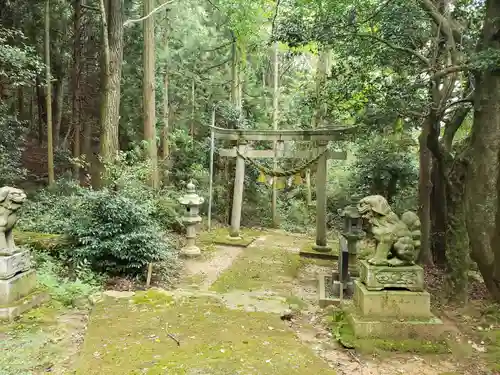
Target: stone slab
column 391, row 303
column 16, row 288
column 309, row 252
column 12, row 311
column 14, row 264
column 325, row 299
column 371, row 327
column 384, row 277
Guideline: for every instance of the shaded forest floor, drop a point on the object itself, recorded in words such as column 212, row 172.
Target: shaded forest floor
column 224, row 318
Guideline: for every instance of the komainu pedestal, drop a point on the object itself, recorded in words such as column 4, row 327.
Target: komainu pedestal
column 17, row 280
column 389, row 297
column 386, row 277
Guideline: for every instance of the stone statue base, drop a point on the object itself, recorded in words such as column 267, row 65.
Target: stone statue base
column 17, row 285
column 384, row 277
column 13, row 310
column 14, row 264
column 391, row 314
column 391, row 303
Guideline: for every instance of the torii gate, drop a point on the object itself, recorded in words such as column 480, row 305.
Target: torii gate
column 240, row 152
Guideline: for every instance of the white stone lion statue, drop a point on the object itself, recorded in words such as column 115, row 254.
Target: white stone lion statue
column 11, row 199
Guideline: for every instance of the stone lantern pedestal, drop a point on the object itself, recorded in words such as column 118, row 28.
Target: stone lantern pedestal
column 191, row 218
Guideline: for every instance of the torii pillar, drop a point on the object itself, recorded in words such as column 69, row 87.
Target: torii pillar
column 321, row 180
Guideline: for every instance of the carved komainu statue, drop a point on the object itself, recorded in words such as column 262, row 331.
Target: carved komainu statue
column 11, row 199
column 398, row 240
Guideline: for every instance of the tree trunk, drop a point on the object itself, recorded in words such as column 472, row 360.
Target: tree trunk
column 48, row 97
column 149, row 91
column 457, row 249
column 40, row 100
column 230, row 163
column 439, row 220
column 191, row 131
column 75, row 96
column 482, row 183
column 58, row 108
column 274, row 199
column 424, row 192
column 166, row 109
column 112, row 32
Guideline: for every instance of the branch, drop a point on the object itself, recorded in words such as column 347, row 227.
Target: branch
column 448, row 70
column 461, row 101
column 214, row 66
column 447, row 26
column 421, row 57
column 218, row 48
column 90, row 8
column 274, row 18
column 453, row 125
column 128, row 22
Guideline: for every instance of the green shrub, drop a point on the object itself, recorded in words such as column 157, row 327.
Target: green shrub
column 116, row 234
column 12, row 138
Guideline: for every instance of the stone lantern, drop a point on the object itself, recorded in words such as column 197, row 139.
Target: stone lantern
column 352, row 231
column 191, row 218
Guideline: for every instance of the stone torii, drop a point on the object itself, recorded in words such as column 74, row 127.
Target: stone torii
column 320, row 136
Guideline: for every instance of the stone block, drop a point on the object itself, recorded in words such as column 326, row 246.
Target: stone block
column 16, row 288
column 12, row 311
column 364, row 327
column 384, row 277
column 14, row 264
column 427, row 328
column 391, row 303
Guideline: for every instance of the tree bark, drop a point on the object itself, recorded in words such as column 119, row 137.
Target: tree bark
column 482, row 183
column 166, row 109
column 58, row 108
column 424, row 192
column 275, row 115
column 112, row 32
column 75, row 95
column 149, row 92
column 48, row 97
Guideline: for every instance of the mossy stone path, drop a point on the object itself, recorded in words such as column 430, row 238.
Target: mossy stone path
column 227, row 324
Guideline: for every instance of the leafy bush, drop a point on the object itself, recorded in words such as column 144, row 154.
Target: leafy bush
column 116, row 234
column 116, row 231
column 12, row 137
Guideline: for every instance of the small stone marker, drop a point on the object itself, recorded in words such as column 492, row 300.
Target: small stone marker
column 191, row 218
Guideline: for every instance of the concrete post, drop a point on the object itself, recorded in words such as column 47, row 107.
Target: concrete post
column 321, row 243
column 239, row 180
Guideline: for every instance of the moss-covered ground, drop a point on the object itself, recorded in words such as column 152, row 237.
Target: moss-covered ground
column 41, row 341
column 260, row 269
column 220, row 236
column 138, row 336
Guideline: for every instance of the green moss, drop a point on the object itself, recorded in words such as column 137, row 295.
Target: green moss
column 343, row 332
column 153, row 297
column 125, row 338
column 221, row 236
column 259, row 269
column 41, row 241
column 294, row 300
